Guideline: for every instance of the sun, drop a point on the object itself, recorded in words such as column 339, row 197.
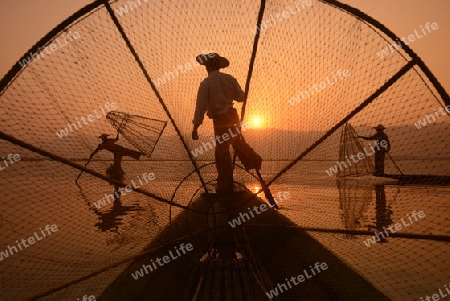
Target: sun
column 256, row 189
column 257, row 122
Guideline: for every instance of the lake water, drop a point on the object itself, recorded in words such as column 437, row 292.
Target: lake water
column 36, row 194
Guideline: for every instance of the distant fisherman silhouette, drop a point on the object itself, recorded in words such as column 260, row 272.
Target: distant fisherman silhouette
column 115, row 170
column 215, row 98
column 380, row 152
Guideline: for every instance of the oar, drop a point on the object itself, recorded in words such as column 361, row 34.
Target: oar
column 394, row 163
column 266, row 190
column 76, row 180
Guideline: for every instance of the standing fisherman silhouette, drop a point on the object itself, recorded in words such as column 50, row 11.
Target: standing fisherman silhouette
column 215, row 97
column 115, row 170
column 380, row 151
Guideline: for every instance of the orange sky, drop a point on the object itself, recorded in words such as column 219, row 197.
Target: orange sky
column 23, row 23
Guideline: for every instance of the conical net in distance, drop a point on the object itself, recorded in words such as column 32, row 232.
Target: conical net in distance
column 141, row 132
column 349, row 148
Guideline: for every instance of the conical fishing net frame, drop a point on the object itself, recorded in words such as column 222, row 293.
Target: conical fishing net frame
column 141, row 132
column 349, row 147
column 305, row 73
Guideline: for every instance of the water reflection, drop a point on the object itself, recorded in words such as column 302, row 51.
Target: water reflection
column 111, row 219
column 383, row 211
column 355, row 198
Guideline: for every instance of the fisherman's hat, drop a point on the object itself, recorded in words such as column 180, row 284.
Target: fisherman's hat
column 380, row 127
column 104, row 136
column 205, row 59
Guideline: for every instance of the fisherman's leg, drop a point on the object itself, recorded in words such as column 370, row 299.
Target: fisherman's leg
column 118, row 172
column 232, row 122
column 110, row 170
column 245, row 153
column 379, row 163
column 233, row 127
column 382, row 157
column 224, row 165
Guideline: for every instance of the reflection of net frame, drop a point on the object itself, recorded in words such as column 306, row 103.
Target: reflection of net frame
column 136, row 130
column 354, row 200
column 350, row 145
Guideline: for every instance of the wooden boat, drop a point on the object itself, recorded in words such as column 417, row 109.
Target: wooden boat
column 270, row 248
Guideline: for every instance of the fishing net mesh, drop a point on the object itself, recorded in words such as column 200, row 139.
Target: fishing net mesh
column 349, row 146
column 314, row 65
